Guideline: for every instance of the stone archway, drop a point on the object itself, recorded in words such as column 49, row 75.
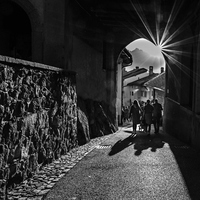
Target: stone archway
column 15, row 31
column 126, row 73
column 36, row 28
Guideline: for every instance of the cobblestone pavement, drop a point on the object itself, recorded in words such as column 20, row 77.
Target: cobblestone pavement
column 36, row 187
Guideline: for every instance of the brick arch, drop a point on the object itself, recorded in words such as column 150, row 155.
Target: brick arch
column 36, row 26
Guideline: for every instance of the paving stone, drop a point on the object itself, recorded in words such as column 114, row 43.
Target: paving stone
column 37, row 191
column 50, row 186
column 45, row 179
column 66, row 170
column 22, row 198
column 42, row 192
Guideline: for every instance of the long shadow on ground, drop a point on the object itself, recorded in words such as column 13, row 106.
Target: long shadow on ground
column 140, row 142
column 121, row 144
column 187, row 158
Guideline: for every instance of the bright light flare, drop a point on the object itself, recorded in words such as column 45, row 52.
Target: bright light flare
column 142, row 17
column 166, row 41
column 159, row 47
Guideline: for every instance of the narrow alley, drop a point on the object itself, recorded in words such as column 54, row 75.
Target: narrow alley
column 67, row 71
column 121, row 166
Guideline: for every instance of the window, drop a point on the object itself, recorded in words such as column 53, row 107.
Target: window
column 143, row 93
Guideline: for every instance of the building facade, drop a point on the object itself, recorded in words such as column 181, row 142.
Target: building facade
column 87, row 37
column 157, row 85
column 135, row 88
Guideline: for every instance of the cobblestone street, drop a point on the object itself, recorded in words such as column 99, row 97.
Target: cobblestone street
column 36, row 187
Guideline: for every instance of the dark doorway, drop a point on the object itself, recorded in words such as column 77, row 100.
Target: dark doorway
column 15, row 32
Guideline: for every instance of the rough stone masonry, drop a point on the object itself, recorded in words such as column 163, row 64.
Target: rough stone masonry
column 41, row 118
column 38, row 119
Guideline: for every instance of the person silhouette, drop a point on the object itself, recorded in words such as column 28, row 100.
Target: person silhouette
column 157, row 115
column 135, row 112
column 148, row 110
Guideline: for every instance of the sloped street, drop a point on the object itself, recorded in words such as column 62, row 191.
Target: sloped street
column 125, row 167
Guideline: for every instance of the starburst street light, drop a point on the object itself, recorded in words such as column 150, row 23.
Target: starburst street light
column 163, row 40
column 169, row 44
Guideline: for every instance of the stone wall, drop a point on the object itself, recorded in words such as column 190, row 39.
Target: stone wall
column 38, row 118
column 94, row 120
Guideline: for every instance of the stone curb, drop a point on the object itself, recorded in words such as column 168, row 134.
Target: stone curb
column 41, row 183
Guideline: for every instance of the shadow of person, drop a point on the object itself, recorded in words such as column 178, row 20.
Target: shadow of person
column 121, row 144
column 128, row 131
column 141, row 142
column 156, row 143
column 145, row 142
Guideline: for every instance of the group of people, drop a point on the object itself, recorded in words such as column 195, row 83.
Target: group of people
column 150, row 113
column 125, row 114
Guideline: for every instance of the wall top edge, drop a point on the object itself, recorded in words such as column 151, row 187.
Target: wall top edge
column 11, row 60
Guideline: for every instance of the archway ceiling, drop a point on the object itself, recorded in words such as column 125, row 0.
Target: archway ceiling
column 121, row 16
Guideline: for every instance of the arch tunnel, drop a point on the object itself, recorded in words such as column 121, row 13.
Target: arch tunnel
column 171, row 25
column 88, row 36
